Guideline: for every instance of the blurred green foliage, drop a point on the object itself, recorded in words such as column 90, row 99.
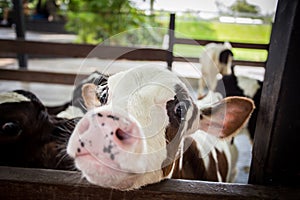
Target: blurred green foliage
column 244, row 7
column 95, row 21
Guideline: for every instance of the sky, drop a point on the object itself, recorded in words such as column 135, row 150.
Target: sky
column 266, row 6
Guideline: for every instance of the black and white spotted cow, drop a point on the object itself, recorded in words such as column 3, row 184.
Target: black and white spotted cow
column 143, row 127
column 30, row 136
column 216, row 59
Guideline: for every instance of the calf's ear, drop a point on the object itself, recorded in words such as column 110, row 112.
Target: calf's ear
column 89, row 96
column 227, row 117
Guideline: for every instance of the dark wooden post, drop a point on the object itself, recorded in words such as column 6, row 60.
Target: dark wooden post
column 276, row 147
column 20, row 29
column 171, row 41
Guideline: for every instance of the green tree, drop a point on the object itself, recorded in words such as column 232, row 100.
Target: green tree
column 95, row 20
column 244, row 7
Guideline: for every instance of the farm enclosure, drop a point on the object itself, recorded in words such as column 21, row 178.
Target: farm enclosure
column 268, row 162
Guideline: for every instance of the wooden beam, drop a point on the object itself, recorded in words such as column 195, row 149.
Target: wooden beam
column 45, row 48
column 277, row 137
column 102, row 52
column 171, row 34
column 39, row 76
column 21, row 183
column 20, row 29
column 233, row 44
column 249, row 63
column 82, row 50
column 234, row 62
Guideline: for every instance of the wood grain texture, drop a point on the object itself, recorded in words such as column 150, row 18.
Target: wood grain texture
column 21, row 183
column 234, row 62
column 81, row 50
column 275, row 157
column 111, row 52
column 233, row 44
column 40, row 76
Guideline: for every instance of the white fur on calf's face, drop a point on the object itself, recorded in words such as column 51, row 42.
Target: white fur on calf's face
column 139, row 96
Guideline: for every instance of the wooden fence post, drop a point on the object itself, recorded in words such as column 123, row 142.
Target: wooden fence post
column 20, row 29
column 275, row 154
column 171, row 41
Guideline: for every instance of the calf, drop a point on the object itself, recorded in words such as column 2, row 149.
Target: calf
column 143, row 127
column 30, row 136
column 215, row 59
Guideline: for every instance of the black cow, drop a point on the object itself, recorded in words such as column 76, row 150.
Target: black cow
column 30, row 136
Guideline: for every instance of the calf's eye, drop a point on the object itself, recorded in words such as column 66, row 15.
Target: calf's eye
column 11, row 129
column 180, row 109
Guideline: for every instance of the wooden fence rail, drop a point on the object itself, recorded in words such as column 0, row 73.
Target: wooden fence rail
column 233, row 44
column 81, row 50
column 40, row 76
column 234, row 62
column 22, row 47
column 22, row 183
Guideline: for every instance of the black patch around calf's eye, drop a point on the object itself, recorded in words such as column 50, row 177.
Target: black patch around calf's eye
column 173, row 120
column 11, row 129
column 180, row 109
column 177, row 110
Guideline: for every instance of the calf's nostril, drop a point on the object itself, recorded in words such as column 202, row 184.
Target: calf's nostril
column 81, row 144
column 122, row 135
